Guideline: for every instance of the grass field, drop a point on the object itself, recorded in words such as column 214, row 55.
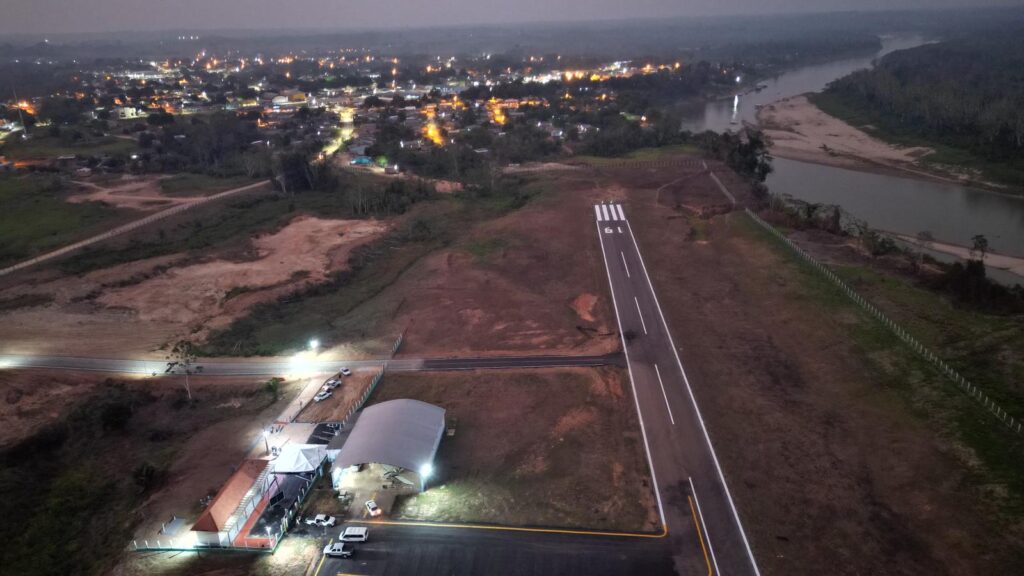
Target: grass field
column 986, row 349
column 200, row 184
column 641, row 155
column 46, row 147
column 36, row 218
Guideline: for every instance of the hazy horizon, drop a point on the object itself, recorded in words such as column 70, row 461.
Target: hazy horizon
column 39, row 17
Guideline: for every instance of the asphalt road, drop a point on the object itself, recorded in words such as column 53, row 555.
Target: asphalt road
column 687, row 474
column 428, row 551
column 282, row 366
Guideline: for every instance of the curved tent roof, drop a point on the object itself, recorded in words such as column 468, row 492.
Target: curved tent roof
column 403, row 433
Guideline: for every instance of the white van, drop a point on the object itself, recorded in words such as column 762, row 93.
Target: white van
column 355, row 534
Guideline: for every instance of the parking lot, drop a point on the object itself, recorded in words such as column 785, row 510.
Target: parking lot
column 453, row 551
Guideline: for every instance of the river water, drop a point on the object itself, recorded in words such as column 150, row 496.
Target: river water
column 950, row 212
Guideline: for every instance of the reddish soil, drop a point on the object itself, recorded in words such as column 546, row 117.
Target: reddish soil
column 579, row 461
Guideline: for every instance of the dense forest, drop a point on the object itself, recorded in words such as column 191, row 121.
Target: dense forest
column 965, row 94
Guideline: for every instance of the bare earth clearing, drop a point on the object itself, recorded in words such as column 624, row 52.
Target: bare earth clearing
column 577, row 460
column 136, row 193
column 138, row 307
column 529, row 282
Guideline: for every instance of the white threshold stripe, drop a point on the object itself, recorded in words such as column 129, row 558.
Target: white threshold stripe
column 696, row 409
column 664, row 395
column 632, row 383
column 604, row 211
column 704, row 526
column 622, row 215
column 640, row 314
column 624, row 265
column 597, row 212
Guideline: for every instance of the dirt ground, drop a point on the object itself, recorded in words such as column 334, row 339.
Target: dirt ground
column 343, row 398
column 528, row 282
column 138, row 307
column 831, row 474
column 578, row 461
column 133, row 192
column 34, row 399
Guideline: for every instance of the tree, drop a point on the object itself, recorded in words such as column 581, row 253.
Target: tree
column 182, row 358
column 979, row 246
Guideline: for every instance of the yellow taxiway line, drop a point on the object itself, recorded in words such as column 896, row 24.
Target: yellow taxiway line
column 662, row 534
column 696, row 525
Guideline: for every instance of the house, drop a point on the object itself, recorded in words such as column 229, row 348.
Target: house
column 244, row 492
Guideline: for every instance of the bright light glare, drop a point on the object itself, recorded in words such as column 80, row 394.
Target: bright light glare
column 314, row 343
column 738, row 79
column 426, row 470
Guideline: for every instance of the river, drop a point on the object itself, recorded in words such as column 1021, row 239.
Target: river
column 950, row 212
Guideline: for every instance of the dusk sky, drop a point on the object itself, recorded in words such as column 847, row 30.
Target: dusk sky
column 71, row 16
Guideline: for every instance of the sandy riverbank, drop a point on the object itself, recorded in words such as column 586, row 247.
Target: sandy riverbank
column 799, row 130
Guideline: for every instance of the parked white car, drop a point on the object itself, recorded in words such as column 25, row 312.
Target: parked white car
column 322, row 520
column 355, row 534
column 322, row 396
column 345, row 371
column 338, row 550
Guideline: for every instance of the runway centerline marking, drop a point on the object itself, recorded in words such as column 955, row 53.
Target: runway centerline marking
column 624, row 265
column 632, row 382
column 696, row 409
column 640, row 314
column 664, row 394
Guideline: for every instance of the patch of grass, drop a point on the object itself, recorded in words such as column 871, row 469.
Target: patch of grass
column 200, row 184
column 928, row 395
column 25, row 301
column 37, row 218
column 642, row 155
column 47, row 147
column 483, row 249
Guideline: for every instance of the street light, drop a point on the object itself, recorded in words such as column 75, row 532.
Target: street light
column 314, row 343
column 425, row 471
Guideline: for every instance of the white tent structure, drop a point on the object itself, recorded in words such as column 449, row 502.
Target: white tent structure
column 297, row 458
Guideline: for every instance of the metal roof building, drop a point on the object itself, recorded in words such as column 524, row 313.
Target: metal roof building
column 400, row 433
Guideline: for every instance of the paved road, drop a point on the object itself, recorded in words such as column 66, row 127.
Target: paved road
column 129, row 227
column 426, row 551
column 678, row 445
column 282, row 366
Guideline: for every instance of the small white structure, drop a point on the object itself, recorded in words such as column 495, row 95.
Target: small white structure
column 299, row 458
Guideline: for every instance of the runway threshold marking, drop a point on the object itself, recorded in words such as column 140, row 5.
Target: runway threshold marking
column 664, row 394
column 662, row 534
column 640, row 314
column 700, row 535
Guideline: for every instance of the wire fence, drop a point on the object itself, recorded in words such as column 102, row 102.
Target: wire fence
column 1014, row 424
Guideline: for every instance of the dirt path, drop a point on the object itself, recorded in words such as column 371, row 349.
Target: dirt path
column 128, row 227
column 1012, row 264
column 133, row 193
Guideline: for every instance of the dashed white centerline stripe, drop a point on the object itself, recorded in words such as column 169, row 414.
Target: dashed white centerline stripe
column 632, row 382
column 597, row 211
column 665, row 396
column 640, row 314
column 624, row 265
column 604, row 211
column 622, row 215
